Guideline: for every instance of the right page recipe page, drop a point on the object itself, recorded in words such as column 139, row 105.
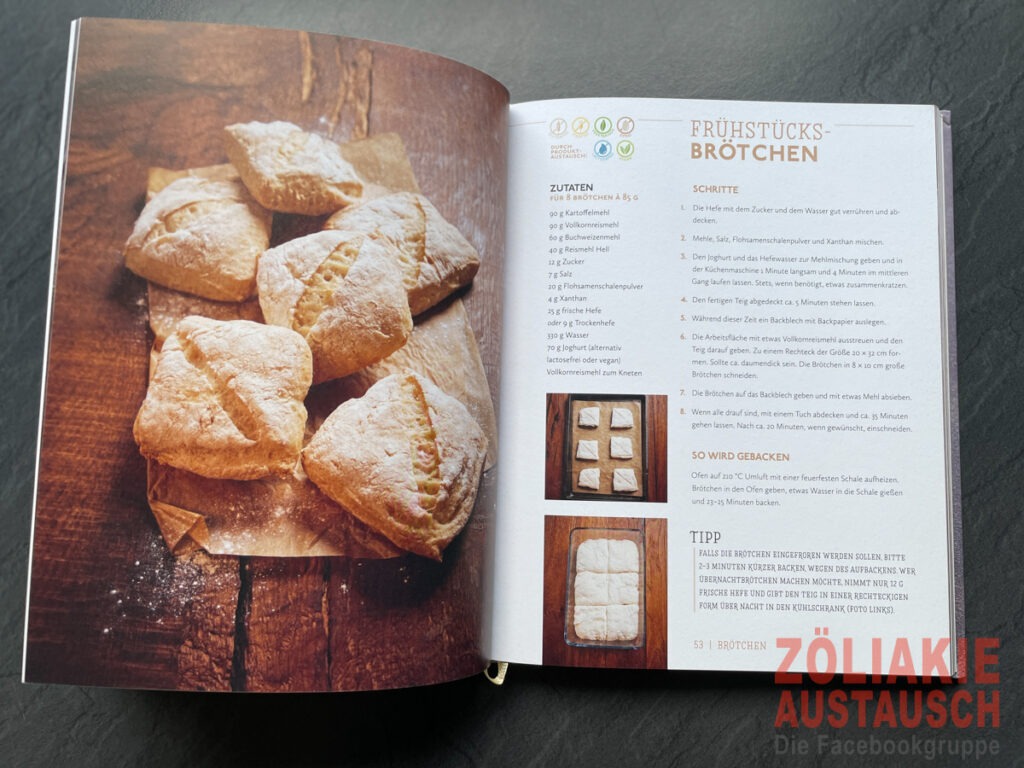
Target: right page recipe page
column 727, row 410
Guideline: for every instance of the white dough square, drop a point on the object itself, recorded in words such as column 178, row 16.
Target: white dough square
column 590, row 622
column 590, row 478
column 624, row 481
column 622, row 448
column 592, row 555
column 622, row 418
column 624, row 588
column 622, row 622
column 587, row 450
column 589, row 416
column 623, row 556
column 591, row 588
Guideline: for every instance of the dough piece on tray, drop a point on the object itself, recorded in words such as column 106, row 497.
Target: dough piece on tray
column 590, row 478
column 343, row 293
column 623, row 556
column 590, row 622
column 405, row 458
column 592, row 555
column 586, row 450
column 201, row 236
column 591, row 588
column 622, row 622
column 622, row 448
column 624, row 588
column 438, row 259
column 589, row 416
column 226, row 399
column 290, row 170
column 622, row 418
column 624, row 481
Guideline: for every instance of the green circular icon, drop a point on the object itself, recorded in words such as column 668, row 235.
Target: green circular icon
column 603, row 126
column 625, row 149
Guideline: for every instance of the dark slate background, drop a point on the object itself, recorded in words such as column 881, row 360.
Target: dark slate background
column 967, row 57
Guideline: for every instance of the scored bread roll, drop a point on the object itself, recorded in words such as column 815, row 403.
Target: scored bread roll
column 343, row 293
column 226, row 399
column 201, row 236
column 438, row 258
column 442, row 348
column 290, row 170
column 405, row 458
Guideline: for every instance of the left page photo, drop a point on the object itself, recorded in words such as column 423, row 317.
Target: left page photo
column 268, row 450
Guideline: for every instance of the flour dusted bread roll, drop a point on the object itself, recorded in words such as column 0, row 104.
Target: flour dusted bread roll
column 405, row 458
column 438, row 259
column 343, row 293
column 442, row 348
column 290, row 170
column 226, row 399
column 201, row 236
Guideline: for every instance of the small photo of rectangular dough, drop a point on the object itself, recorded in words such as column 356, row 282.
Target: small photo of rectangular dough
column 592, row 555
column 622, row 448
column 590, row 621
column 622, row 622
column 590, row 478
column 624, row 481
column 622, row 418
column 591, row 588
column 624, row 588
column 587, row 450
column 623, row 556
column 590, row 416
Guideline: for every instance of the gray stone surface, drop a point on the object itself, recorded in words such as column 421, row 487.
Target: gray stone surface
column 964, row 56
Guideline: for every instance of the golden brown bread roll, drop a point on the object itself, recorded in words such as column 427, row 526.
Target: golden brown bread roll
column 201, row 236
column 290, row 170
column 405, row 459
column 343, row 293
column 439, row 260
column 442, row 348
column 226, row 399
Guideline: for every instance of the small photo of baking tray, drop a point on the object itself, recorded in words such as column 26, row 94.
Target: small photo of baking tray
column 577, row 537
column 602, row 435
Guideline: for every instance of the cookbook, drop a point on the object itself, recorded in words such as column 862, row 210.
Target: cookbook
column 360, row 376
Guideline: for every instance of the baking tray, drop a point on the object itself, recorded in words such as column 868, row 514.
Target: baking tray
column 573, row 433
column 578, row 536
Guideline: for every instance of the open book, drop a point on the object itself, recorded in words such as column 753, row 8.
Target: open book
column 359, row 376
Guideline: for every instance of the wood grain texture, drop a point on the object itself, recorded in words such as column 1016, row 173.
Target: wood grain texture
column 556, row 651
column 109, row 604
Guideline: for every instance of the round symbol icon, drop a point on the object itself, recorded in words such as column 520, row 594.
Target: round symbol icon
column 580, row 126
column 603, row 126
column 558, row 127
column 625, row 149
column 603, row 149
column 625, row 126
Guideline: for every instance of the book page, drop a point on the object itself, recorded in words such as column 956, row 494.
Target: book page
column 725, row 343
column 268, row 447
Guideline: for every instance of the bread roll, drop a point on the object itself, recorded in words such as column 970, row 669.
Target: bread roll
column 340, row 291
column 226, row 399
column 439, row 260
column 405, row 459
column 201, row 236
column 290, row 170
